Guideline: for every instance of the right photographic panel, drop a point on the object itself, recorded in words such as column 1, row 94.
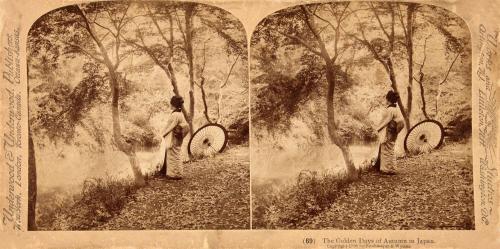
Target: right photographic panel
column 361, row 118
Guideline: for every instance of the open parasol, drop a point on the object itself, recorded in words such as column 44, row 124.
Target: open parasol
column 208, row 140
column 424, row 136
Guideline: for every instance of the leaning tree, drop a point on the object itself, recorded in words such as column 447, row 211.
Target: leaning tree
column 317, row 29
column 92, row 32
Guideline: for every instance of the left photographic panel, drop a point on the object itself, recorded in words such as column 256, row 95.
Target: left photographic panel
column 138, row 118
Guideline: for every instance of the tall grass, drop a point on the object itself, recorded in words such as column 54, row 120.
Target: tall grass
column 99, row 200
column 292, row 205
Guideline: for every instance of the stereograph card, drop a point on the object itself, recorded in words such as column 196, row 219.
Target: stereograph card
column 249, row 124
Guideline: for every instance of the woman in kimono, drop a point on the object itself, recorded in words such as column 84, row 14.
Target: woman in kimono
column 173, row 134
column 390, row 125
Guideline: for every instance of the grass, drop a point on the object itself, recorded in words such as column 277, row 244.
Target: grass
column 99, row 200
column 291, row 206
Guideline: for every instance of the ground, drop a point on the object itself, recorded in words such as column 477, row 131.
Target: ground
column 214, row 194
column 430, row 191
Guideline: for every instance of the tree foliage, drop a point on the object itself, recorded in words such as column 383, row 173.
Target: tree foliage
column 61, row 37
column 382, row 38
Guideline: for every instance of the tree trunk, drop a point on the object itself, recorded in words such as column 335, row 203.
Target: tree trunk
column 330, row 77
column 422, row 95
column 189, row 11
column 409, row 102
column 117, row 135
column 409, row 49
column 219, row 105
column 352, row 173
column 173, row 79
column 438, row 95
column 113, row 82
column 32, row 184
column 168, row 69
column 204, row 98
column 394, row 86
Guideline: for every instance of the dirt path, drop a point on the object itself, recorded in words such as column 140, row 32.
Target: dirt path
column 213, row 195
column 430, row 191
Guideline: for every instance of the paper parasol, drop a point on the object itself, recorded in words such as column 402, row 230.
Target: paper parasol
column 424, row 136
column 208, row 140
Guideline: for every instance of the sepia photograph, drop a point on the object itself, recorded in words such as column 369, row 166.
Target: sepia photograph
column 355, row 124
column 138, row 118
column 361, row 118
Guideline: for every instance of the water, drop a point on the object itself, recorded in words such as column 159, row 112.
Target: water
column 272, row 165
column 69, row 167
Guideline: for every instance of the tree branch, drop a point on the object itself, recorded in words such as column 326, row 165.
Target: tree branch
column 401, row 20
column 118, row 40
column 110, row 15
column 229, row 73
column 204, row 99
column 104, row 27
column 88, row 53
column 155, row 22
column 301, row 41
column 391, row 40
column 307, row 14
column 123, row 16
column 94, row 37
column 324, row 20
column 367, row 44
column 451, row 66
column 425, row 57
column 379, row 21
column 180, row 27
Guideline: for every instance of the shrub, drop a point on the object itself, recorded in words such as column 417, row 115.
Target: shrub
column 140, row 119
column 50, row 205
column 295, row 204
column 355, row 130
column 142, row 136
column 240, row 132
column 99, row 200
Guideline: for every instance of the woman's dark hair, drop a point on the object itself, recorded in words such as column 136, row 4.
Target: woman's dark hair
column 176, row 102
column 392, row 97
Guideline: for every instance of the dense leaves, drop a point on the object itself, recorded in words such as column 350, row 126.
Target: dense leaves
column 280, row 96
column 64, row 107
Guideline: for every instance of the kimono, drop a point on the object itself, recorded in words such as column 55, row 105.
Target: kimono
column 392, row 123
column 170, row 148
